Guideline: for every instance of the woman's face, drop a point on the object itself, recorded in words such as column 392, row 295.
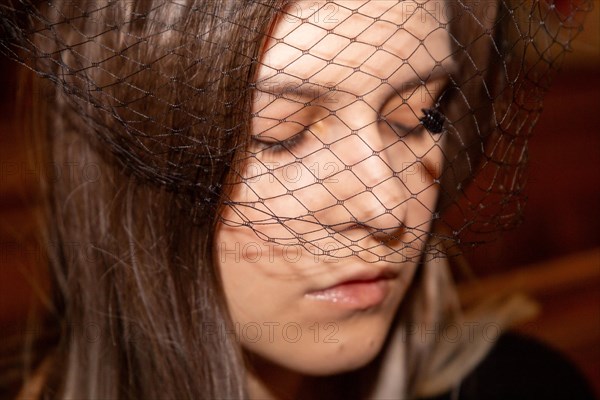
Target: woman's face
column 334, row 198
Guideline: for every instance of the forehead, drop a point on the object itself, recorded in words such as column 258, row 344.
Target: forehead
column 356, row 46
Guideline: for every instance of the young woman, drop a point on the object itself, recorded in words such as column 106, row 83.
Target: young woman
column 264, row 217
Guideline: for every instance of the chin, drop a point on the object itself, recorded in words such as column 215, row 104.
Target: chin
column 343, row 353
column 349, row 359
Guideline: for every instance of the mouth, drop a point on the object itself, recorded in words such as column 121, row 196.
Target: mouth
column 360, row 292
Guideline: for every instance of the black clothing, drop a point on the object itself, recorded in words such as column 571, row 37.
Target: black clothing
column 519, row 367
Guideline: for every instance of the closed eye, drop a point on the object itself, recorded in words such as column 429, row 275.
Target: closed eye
column 402, row 130
column 272, row 145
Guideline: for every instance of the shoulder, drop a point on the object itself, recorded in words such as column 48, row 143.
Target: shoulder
column 520, row 367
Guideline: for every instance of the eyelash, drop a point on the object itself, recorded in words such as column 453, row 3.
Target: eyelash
column 403, row 130
column 280, row 146
column 400, row 129
column 432, row 121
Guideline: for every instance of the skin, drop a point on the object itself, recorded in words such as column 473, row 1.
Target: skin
column 328, row 225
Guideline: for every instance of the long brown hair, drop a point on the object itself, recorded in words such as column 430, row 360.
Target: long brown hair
column 140, row 293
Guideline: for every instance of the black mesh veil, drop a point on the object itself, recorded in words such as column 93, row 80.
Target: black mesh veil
column 364, row 129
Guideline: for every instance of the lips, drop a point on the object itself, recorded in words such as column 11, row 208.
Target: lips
column 362, row 291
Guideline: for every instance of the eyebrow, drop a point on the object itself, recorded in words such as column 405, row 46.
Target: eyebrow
column 288, row 84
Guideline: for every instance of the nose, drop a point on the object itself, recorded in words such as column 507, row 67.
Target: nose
column 369, row 191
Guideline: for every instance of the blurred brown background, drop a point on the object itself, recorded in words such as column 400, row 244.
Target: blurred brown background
column 554, row 255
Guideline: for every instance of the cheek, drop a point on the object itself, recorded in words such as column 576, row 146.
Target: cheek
column 260, row 279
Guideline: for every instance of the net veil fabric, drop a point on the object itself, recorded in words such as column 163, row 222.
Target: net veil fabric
column 369, row 129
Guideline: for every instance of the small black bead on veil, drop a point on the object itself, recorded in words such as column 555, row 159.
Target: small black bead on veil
column 432, row 120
